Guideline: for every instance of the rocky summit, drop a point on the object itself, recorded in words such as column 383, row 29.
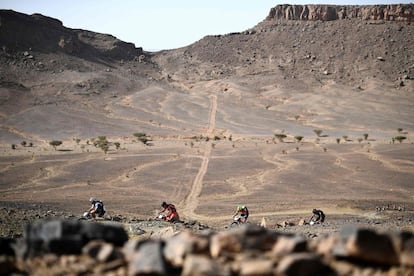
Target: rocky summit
column 312, row 107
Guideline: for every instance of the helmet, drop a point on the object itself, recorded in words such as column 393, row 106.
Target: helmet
column 164, row 204
column 240, row 207
column 92, row 199
column 314, row 211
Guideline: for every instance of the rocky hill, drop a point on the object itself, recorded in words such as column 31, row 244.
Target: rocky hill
column 230, row 118
column 21, row 32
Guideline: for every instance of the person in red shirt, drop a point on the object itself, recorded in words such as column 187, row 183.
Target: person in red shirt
column 170, row 211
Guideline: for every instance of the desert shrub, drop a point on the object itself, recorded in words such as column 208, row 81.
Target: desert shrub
column 30, row 144
column 77, row 140
column 399, row 138
column 365, row 136
column 297, row 117
column 13, row 146
column 140, row 134
column 23, row 143
column 338, row 140
column 280, row 136
column 55, row 143
column 298, row 138
column 117, row 145
column 399, row 130
column 142, row 137
column 318, row 132
column 216, row 138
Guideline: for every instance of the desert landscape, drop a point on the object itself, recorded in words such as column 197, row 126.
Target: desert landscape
column 295, row 113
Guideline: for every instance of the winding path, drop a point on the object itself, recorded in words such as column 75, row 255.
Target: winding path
column 190, row 203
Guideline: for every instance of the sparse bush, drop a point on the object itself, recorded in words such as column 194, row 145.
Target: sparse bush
column 216, row 138
column 318, row 132
column 23, row 143
column 298, row 138
column 55, row 143
column 399, row 130
column 297, row 117
column 142, row 137
column 117, row 145
column 280, row 136
column 365, row 136
column 13, row 146
column 399, row 138
column 30, row 144
column 338, row 140
column 77, row 140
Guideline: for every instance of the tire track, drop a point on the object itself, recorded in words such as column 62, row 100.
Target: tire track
column 191, row 202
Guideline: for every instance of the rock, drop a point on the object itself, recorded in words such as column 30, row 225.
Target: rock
column 288, row 245
column 69, row 236
column 400, row 12
column 178, row 247
column 257, row 267
column 163, row 233
column 302, row 264
column 202, row 265
column 101, row 251
column 366, row 245
column 148, row 260
column 404, row 244
column 247, row 236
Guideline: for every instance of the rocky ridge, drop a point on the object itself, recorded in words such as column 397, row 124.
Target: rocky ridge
column 401, row 13
column 41, row 33
column 59, row 247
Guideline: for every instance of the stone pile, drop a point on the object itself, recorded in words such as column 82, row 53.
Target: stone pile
column 59, row 247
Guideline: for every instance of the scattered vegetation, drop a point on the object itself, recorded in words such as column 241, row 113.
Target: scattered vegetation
column 13, row 146
column 280, row 136
column 141, row 136
column 318, row 132
column 117, row 145
column 399, row 138
column 338, row 140
column 23, row 143
column 298, row 138
column 365, row 136
column 55, row 143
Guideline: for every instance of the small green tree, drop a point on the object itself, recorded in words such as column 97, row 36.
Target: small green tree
column 55, row 143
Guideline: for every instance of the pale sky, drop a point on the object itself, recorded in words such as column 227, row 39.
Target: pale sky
column 162, row 24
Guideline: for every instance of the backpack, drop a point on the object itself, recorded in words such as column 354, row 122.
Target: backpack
column 100, row 209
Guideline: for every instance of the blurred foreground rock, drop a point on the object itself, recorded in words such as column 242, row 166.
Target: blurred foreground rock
column 60, row 247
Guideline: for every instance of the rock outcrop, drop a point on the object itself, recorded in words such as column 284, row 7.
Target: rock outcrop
column 70, row 247
column 40, row 33
column 402, row 12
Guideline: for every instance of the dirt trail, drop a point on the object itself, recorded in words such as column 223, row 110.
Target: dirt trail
column 191, row 201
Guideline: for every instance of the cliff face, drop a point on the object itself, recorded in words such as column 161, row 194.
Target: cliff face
column 403, row 12
column 19, row 31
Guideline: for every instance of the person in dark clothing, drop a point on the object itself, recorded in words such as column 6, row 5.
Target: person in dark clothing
column 318, row 216
column 97, row 208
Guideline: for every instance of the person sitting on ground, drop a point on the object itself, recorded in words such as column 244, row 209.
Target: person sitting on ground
column 171, row 214
column 317, row 217
column 242, row 212
column 97, row 208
